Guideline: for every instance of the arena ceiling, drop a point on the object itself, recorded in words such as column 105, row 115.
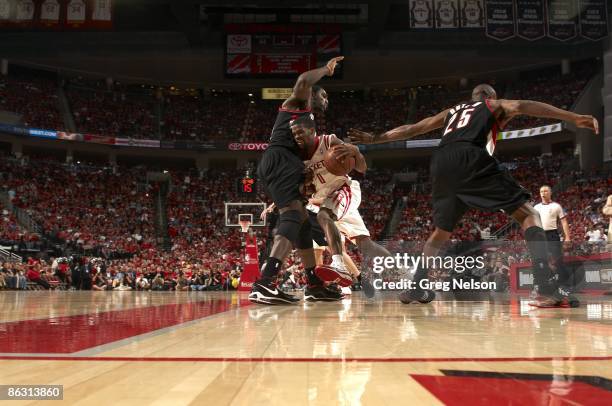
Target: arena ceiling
column 182, row 41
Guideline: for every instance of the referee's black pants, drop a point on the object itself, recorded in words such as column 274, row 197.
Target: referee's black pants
column 555, row 250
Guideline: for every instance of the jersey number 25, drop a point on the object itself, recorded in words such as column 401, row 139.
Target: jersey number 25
column 466, row 115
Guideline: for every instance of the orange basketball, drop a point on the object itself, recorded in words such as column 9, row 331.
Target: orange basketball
column 336, row 166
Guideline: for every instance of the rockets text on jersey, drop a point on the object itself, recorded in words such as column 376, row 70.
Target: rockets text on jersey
column 472, row 122
column 325, row 182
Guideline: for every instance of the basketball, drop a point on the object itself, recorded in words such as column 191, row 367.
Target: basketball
column 336, row 166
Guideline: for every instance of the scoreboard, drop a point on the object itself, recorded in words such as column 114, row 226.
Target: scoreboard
column 279, row 54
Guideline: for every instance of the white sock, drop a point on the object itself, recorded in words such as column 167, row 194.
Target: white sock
column 338, row 262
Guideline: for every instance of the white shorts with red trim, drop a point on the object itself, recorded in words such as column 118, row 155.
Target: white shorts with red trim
column 344, row 203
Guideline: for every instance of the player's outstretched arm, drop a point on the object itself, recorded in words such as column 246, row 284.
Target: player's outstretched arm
column 505, row 110
column 303, row 86
column 400, row 133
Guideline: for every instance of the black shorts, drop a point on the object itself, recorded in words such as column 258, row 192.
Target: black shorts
column 282, row 172
column 464, row 176
column 318, row 235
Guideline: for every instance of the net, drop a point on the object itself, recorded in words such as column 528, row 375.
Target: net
column 244, row 225
column 245, row 221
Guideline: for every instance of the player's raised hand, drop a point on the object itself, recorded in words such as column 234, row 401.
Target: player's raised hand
column 331, row 64
column 360, row 137
column 267, row 211
column 587, row 121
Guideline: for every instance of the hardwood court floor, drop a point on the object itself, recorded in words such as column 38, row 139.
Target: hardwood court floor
column 215, row 348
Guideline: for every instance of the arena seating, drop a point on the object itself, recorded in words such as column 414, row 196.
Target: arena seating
column 190, row 114
column 114, row 113
column 34, row 98
column 89, row 207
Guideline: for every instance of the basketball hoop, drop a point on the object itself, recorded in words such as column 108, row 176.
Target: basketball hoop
column 244, row 225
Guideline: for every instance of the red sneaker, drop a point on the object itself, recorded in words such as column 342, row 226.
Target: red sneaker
column 334, row 275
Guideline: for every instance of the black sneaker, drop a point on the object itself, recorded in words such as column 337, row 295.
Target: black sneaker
column 268, row 294
column 322, row 294
column 561, row 298
column 417, row 295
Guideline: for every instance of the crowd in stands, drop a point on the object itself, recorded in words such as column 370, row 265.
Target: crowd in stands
column 10, row 230
column 99, row 211
column 89, row 208
column 193, row 117
column 33, row 98
column 171, row 114
column 549, row 86
column 112, row 113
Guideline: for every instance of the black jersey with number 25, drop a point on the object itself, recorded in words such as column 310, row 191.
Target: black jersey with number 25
column 472, row 122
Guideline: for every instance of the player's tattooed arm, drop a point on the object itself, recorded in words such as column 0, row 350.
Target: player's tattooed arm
column 505, row 110
column 302, row 89
column 349, row 150
column 400, row 133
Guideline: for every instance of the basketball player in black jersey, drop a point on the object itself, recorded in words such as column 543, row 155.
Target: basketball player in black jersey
column 282, row 172
column 464, row 174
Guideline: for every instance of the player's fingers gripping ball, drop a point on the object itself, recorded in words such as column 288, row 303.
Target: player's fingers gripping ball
column 338, row 161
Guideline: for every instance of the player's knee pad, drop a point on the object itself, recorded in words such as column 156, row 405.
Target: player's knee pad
column 289, row 224
column 304, row 239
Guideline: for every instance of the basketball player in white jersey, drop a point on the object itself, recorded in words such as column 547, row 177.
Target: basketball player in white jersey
column 336, row 199
column 551, row 213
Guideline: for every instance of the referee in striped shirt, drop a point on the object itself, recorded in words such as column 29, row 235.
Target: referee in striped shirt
column 551, row 213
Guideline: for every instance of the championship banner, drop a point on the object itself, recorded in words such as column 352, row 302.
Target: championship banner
column 56, row 14
column 562, row 19
column 276, row 93
column 530, row 19
column 447, row 14
column 472, row 14
column 593, row 19
column 421, row 14
column 500, row 19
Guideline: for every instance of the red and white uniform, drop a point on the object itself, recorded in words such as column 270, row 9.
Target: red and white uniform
column 341, row 194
